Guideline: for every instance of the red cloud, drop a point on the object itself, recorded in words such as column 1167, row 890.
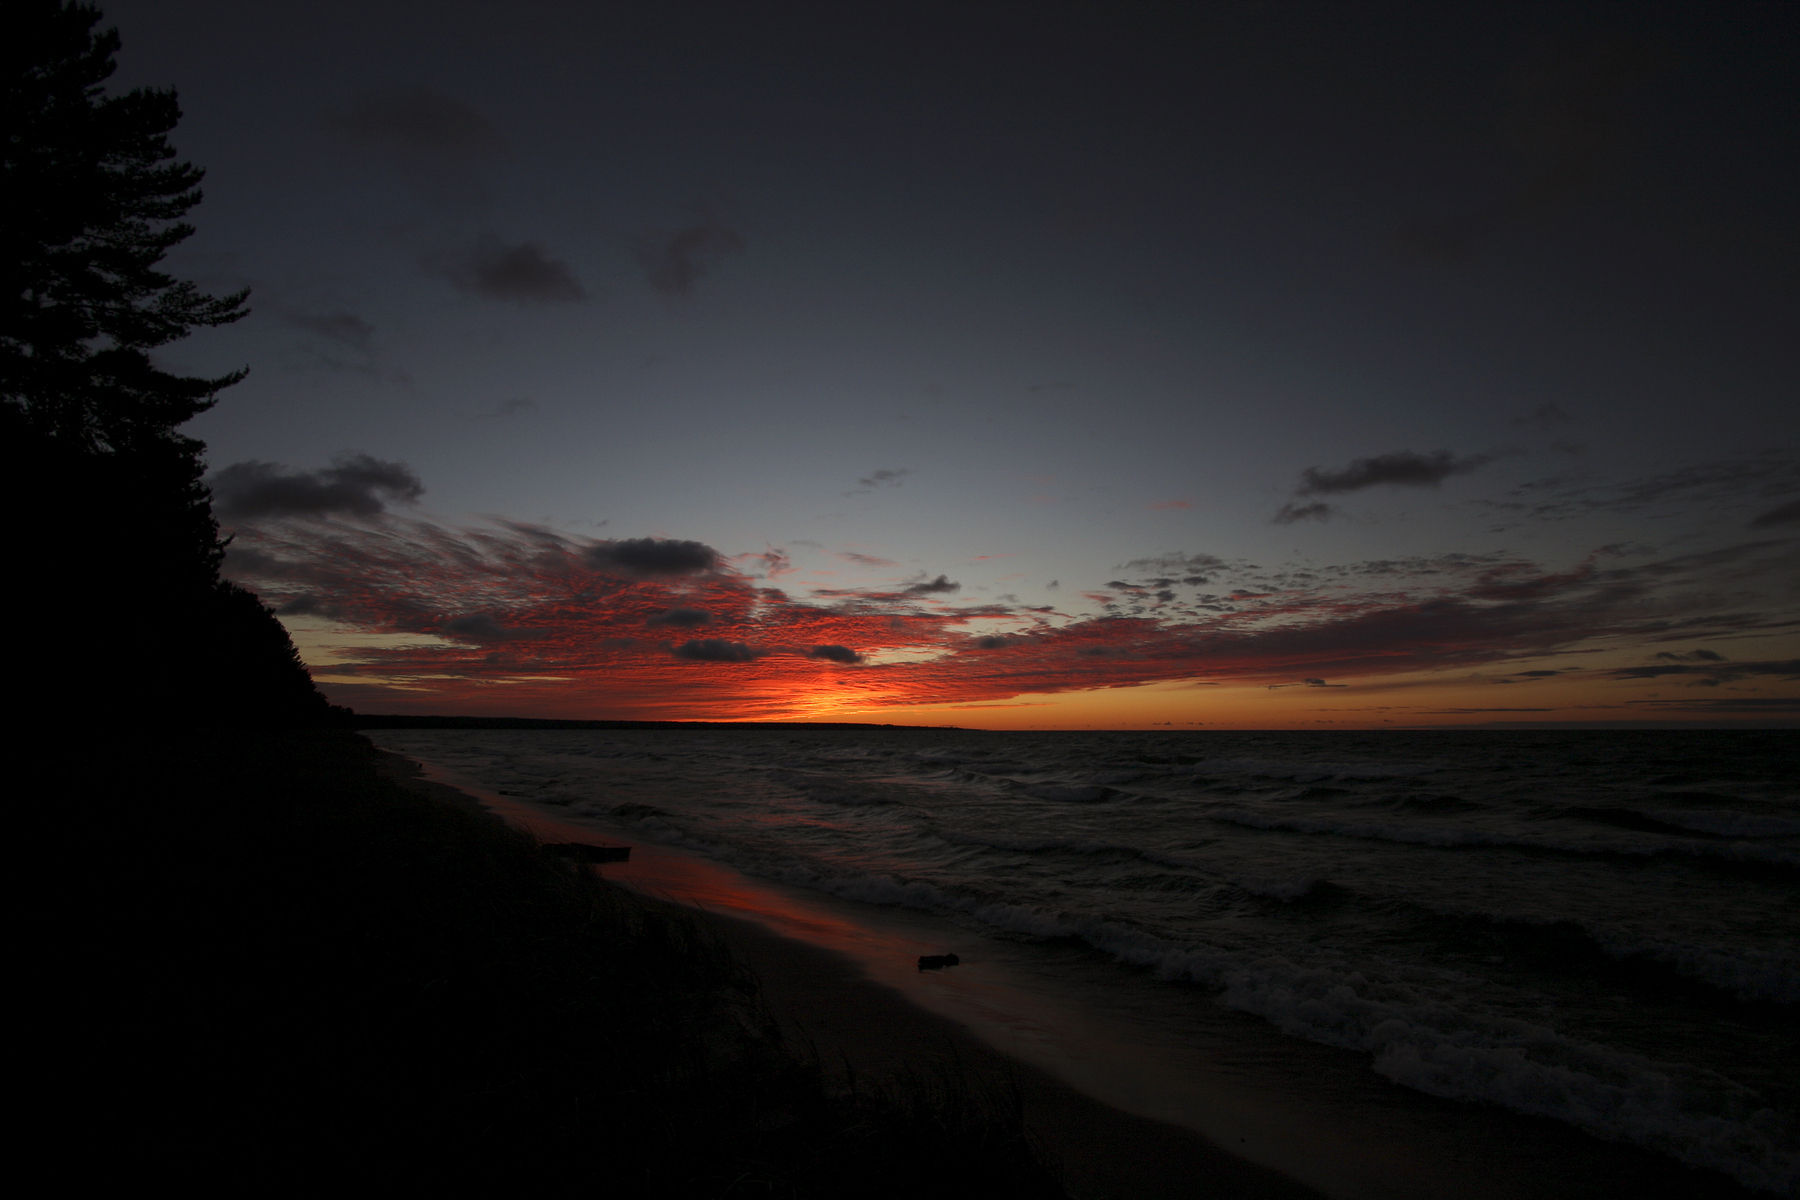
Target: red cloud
column 521, row 619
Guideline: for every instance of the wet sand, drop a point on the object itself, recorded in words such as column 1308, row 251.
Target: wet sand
column 830, row 1010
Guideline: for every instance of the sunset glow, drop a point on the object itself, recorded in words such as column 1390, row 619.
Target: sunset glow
column 1209, row 366
column 518, row 620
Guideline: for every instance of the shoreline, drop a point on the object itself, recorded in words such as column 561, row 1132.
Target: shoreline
column 1343, row 1133
column 851, row 1024
column 863, row 1033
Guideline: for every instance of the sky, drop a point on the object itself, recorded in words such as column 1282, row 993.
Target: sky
column 1055, row 365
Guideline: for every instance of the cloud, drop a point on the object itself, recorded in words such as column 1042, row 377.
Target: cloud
column 345, row 328
column 1191, row 568
column 354, row 485
column 514, row 618
column 653, row 556
column 884, row 477
column 1316, row 511
column 775, row 563
column 484, row 627
column 417, row 119
column 1712, row 672
column 1771, row 706
column 1786, row 514
column 1544, row 416
column 442, row 149
column 865, row 560
column 304, row 606
column 522, row 272
column 715, row 650
column 681, row 618
column 1401, row 469
column 674, row 262
column 931, row 587
column 1714, row 493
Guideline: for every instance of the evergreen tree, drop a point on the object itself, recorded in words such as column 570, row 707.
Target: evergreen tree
column 125, row 615
column 97, row 199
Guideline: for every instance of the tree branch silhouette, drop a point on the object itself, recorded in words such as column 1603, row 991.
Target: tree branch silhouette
column 121, row 604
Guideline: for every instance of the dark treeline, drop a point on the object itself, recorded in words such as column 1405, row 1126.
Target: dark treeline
column 116, row 607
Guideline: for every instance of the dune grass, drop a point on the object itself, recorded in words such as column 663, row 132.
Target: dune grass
column 263, row 965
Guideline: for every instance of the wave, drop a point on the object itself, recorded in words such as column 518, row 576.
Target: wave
column 1058, row 793
column 635, row 811
column 1657, row 968
column 1419, row 1038
column 1434, row 802
column 1729, row 823
column 1022, row 844
column 1309, row 772
column 1295, row 888
column 833, row 792
column 1635, row 821
column 1559, row 948
column 1444, row 835
column 1457, row 1051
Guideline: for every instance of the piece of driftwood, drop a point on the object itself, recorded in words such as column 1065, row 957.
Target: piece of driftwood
column 934, row 962
column 583, row 852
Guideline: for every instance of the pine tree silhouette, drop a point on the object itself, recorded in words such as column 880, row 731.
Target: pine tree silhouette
column 116, row 606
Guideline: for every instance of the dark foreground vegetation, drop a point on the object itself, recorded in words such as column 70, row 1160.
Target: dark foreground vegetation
column 270, row 967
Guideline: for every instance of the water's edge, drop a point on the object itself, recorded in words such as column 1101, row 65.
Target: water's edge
column 1159, row 1051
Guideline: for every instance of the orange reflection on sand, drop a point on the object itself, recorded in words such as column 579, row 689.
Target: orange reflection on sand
column 720, row 890
column 671, row 875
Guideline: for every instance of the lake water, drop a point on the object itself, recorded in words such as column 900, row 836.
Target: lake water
column 1602, row 929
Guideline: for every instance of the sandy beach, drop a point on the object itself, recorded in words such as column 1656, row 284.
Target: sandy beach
column 835, row 1012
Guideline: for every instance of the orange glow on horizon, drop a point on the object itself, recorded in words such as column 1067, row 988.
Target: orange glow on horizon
column 524, row 622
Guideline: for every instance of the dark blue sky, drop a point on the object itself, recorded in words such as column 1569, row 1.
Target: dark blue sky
column 1353, row 312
